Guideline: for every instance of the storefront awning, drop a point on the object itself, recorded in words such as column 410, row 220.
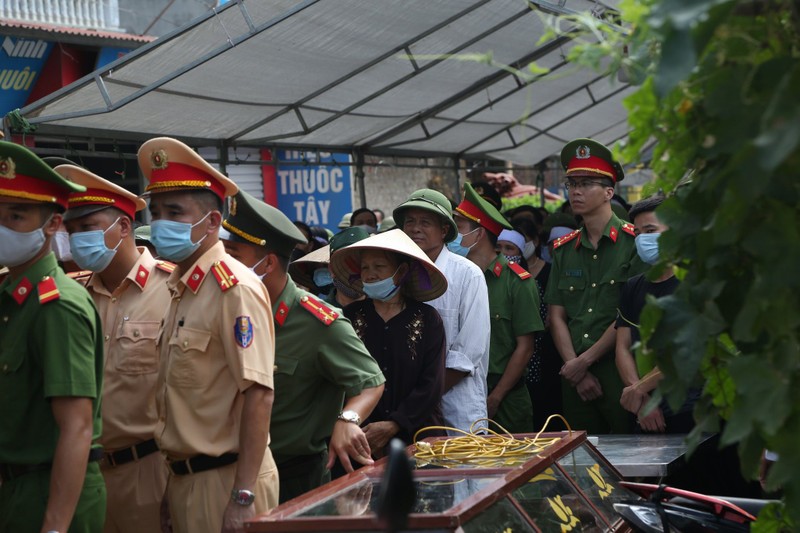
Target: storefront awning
column 380, row 77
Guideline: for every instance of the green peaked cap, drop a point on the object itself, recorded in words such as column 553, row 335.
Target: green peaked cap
column 252, row 221
column 24, row 175
column 588, row 158
column 428, row 200
column 348, row 236
column 477, row 209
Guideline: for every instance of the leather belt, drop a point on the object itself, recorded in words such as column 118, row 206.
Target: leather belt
column 10, row 471
column 134, row 453
column 201, row 463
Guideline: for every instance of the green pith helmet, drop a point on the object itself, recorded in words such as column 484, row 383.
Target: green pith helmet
column 428, row 200
column 252, row 221
column 589, row 159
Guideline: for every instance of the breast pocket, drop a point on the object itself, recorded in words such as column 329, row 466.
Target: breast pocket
column 188, row 358
column 138, row 343
column 572, row 290
column 11, row 357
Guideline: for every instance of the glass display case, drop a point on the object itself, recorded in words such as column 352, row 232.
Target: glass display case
column 566, row 486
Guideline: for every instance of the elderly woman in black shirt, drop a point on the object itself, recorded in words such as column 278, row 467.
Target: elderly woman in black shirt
column 405, row 336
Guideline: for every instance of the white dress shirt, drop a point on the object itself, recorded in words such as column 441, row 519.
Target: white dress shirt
column 464, row 309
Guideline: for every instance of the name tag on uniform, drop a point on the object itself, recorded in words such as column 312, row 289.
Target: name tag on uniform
column 573, row 273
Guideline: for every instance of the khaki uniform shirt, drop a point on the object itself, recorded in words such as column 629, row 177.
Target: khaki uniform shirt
column 587, row 281
column 218, row 339
column 319, row 359
column 132, row 317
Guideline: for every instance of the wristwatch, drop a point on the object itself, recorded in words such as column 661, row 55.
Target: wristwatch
column 350, row 416
column 243, row 497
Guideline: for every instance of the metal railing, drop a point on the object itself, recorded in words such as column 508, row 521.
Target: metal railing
column 94, row 14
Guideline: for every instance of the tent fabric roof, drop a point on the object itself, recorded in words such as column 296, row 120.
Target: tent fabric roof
column 382, row 77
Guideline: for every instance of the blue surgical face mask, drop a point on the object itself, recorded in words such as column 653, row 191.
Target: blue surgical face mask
column 647, row 247
column 173, row 240
column 382, row 290
column 89, row 250
column 17, row 248
column 546, row 257
column 254, row 267
column 456, row 247
column 322, row 277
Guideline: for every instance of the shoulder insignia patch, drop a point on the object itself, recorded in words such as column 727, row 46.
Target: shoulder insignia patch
column 566, row 238
column 243, row 331
column 22, row 291
column 282, row 313
column 166, row 266
column 627, row 227
column 320, row 311
column 81, row 276
column 224, row 276
column 48, row 290
column 519, row 271
column 195, row 278
column 497, row 269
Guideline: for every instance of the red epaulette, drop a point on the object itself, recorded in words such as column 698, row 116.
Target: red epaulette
column 566, row 238
column 519, row 271
column 81, row 276
column 47, row 290
column 166, row 266
column 320, row 311
column 627, row 227
column 224, row 276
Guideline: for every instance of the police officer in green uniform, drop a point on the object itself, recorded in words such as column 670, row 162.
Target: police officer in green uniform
column 51, row 363
column 513, row 306
column 326, row 381
column 590, row 265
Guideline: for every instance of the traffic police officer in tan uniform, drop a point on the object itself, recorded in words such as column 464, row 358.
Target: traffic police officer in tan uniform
column 590, row 266
column 51, row 363
column 215, row 388
column 513, row 307
column 324, row 388
column 130, row 291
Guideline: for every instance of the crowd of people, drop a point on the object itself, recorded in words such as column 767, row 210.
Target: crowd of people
column 225, row 359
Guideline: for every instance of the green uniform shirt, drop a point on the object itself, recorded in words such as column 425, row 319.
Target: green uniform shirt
column 319, row 360
column 587, row 282
column 513, row 308
column 47, row 350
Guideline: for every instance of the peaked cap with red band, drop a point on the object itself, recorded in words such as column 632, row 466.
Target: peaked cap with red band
column 170, row 165
column 589, row 159
column 100, row 193
column 479, row 210
column 25, row 178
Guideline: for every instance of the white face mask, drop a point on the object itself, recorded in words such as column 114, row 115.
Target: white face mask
column 529, row 250
column 60, row 245
column 17, row 248
column 254, row 267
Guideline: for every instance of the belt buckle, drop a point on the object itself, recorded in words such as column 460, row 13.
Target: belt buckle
column 134, row 453
column 183, row 461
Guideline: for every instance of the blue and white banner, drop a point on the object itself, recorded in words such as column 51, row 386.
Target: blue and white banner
column 319, row 195
column 21, row 63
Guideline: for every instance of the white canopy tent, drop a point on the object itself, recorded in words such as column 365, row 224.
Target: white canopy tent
column 380, row 77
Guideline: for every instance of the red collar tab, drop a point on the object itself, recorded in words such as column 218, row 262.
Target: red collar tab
column 497, row 269
column 48, row 290
column 22, row 291
column 195, row 278
column 182, row 176
column 474, row 213
column 142, row 275
column 591, row 163
column 612, row 234
column 282, row 313
column 320, row 311
column 103, row 197
column 519, row 271
column 224, row 276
